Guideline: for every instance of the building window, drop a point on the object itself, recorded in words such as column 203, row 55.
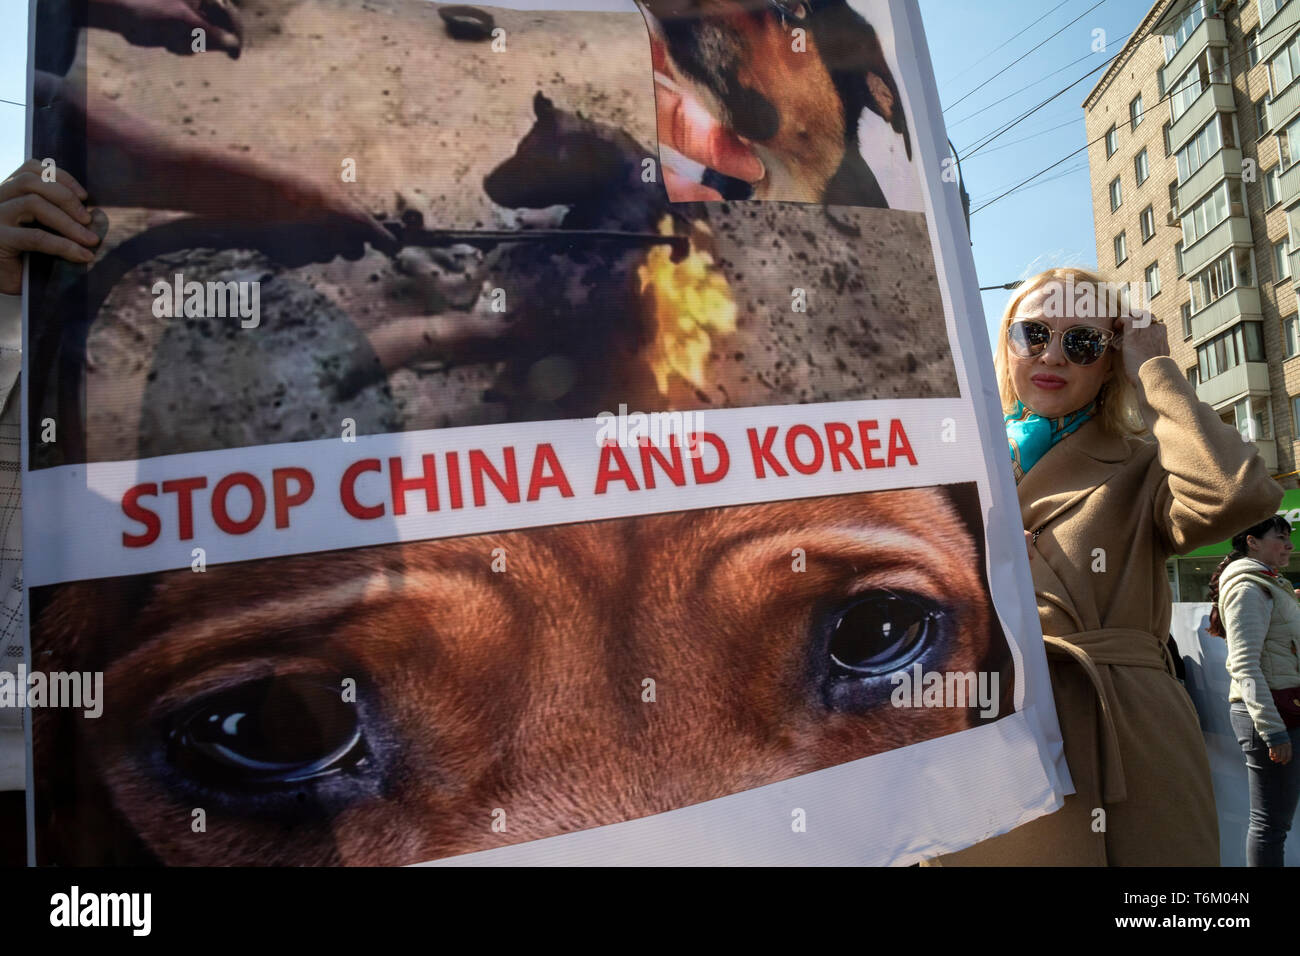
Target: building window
column 1116, row 194
column 1121, row 250
column 1140, row 167
column 1288, row 144
column 1230, row 270
column 1261, row 117
column 1272, row 186
column 1192, row 375
column 1186, row 27
column 1252, row 47
column 1291, row 335
column 1251, row 422
column 1173, row 197
column 1185, row 92
column 1286, row 65
column 1207, row 142
column 1112, row 142
column 1178, row 258
column 1225, row 200
column 1135, row 112
column 1168, row 142
column 1281, row 262
column 1187, row 321
column 1153, row 280
column 1148, row 221
column 1242, row 343
column 1254, row 335
column 1266, row 10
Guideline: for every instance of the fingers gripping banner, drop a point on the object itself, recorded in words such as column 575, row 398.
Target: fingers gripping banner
column 541, row 433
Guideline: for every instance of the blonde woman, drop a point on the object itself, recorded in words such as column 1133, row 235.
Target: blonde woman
column 1118, row 466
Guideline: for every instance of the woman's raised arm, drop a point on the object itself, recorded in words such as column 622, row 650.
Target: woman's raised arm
column 1216, row 482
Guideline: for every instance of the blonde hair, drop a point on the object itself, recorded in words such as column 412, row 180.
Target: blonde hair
column 1117, row 398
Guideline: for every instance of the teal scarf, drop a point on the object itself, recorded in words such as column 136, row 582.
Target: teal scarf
column 1030, row 435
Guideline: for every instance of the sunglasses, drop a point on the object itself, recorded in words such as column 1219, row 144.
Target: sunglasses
column 1082, row 344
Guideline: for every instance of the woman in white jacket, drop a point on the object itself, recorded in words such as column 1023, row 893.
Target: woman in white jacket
column 1256, row 609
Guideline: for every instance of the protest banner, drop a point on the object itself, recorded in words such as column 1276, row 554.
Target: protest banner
column 442, row 461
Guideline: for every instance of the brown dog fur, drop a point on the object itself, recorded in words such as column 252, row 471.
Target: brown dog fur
column 796, row 98
column 519, row 690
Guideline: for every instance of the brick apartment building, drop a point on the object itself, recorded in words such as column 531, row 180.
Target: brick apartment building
column 1195, row 165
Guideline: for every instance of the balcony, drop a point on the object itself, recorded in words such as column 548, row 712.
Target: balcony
column 1224, row 163
column 1211, row 32
column 1284, row 108
column 1289, row 185
column 1215, row 98
column 1242, row 302
column 1233, row 231
column 1267, row 449
column 1277, row 31
column 1237, row 382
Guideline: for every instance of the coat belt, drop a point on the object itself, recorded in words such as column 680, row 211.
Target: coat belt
column 1113, row 647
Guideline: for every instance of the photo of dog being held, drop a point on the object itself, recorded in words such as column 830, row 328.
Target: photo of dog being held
column 790, row 100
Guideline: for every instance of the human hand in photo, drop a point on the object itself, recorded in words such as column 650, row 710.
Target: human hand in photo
column 28, row 202
column 687, row 127
column 171, row 23
column 319, row 218
column 1280, row 755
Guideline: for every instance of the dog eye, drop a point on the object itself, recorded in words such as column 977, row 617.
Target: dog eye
column 880, row 633
column 271, row 731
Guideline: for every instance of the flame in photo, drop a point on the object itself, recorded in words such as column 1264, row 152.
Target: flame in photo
column 689, row 300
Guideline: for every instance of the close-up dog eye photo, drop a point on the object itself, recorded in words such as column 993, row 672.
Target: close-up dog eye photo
column 365, row 706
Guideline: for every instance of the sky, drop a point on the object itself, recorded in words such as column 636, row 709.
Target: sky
column 1048, row 223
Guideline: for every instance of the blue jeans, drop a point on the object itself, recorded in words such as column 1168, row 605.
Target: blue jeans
column 1274, row 790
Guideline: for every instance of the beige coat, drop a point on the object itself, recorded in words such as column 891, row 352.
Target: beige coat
column 1108, row 511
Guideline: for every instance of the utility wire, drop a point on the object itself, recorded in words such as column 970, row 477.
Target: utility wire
column 1047, row 76
column 1030, row 112
column 1021, row 58
column 1041, row 132
column 1061, row 175
column 1009, row 39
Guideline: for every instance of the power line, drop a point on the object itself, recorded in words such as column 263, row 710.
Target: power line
column 1061, row 175
column 12, row 103
column 1168, row 93
column 1047, row 76
column 1016, row 142
column 1008, row 40
column 1021, row 58
column 1030, row 112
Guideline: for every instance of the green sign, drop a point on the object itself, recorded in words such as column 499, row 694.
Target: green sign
column 1289, row 509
